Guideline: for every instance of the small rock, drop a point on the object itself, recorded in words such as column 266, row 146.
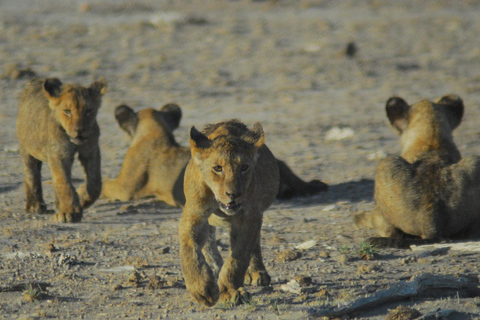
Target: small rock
column 174, row 282
column 304, row 281
column 409, row 260
column 289, row 255
column 343, row 259
column 155, row 282
column 324, row 254
column 291, row 286
column 117, row 287
column 369, row 288
column 306, row 245
column 50, row 247
column 13, row 148
column 164, row 250
column 336, row 134
column 363, row 268
column 323, row 293
column 134, row 279
column 377, row 155
column 67, row 260
column 403, row 313
column 351, row 49
column 330, row 208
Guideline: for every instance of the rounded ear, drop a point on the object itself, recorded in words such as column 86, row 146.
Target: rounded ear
column 126, row 118
column 397, row 113
column 454, row 109
column 198, row 140
column 258, row 135
column 173, row 114
column 52, row 88
column 99, row 86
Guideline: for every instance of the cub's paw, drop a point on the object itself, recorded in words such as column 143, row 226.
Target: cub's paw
column 257, row 278
column 234, row 297
column 74, row 215
column 86, row 200
column 206, row 293
column 35, row 207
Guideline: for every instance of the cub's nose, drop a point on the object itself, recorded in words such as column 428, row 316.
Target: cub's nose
column 232, row 195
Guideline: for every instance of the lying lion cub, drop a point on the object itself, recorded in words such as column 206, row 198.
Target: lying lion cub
column 55, row 121
column 429, row 191
column 155, row 162
column 231, row 179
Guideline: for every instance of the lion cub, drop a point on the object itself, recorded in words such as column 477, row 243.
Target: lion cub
column 231, row 179
column 55, row 121
column 429, row 191
column 155, row 162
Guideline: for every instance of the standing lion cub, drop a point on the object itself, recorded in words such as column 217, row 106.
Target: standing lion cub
column 429, row 191
column 55, row 121
column 230, row 180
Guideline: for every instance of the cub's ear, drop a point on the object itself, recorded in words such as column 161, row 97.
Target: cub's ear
column 126, row 118
column 52, row 88
column 198, row 140
column 172, row 114
column 397, row 113
column 454, row 108
column 257, row 137
column 99, row 86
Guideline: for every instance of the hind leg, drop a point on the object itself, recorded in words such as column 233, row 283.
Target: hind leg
column 33, row 184
column 376, row 220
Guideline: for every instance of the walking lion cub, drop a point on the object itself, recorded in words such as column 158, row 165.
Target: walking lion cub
column 230, row 180
column 55, row 121
column 429, row 191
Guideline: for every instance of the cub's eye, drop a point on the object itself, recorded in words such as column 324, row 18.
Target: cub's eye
column 244, row 167
column 217, row 168
column 67, row 112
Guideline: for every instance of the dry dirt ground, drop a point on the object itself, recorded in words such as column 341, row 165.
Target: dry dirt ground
column 282, row 63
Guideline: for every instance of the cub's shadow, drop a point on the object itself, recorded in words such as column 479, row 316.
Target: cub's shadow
column 7, row 187
column 351, row 191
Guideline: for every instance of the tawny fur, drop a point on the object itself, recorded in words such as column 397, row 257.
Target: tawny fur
column 429, row 191
column 231, row 179
column 154, row 164
column 56, row 121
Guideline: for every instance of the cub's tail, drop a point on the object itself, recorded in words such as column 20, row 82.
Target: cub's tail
column 398, row 243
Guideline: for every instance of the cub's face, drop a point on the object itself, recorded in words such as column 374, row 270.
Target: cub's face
column 227, row 166
column 75, row 107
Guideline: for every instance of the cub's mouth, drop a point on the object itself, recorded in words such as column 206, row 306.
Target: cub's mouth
column 231, row 208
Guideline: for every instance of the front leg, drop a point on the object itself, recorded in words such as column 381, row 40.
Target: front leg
column 244, row 235
column 257, row 273
column 68, row 206
column 90, row 191
column 199, row 278
column 211, row 253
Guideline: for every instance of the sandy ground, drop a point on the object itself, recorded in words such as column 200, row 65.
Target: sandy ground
column 282, row 63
